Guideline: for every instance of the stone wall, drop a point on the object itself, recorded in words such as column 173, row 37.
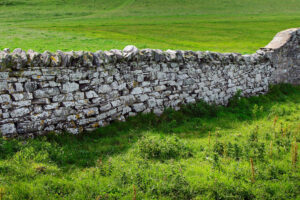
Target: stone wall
column 284, row 52
column 78, row 91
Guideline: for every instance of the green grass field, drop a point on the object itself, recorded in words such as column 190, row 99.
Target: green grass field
column 200, row 152
column 215, row 25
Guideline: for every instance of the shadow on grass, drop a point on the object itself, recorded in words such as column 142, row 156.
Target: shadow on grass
column 193, row 120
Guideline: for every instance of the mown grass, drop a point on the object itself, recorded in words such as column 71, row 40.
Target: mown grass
column 215, row 25
column 200, row 152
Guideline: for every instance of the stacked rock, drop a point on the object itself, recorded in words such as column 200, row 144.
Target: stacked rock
column 80, row 91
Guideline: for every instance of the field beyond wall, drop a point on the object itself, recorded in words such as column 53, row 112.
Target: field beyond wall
column 246, row 150
column 91, row 25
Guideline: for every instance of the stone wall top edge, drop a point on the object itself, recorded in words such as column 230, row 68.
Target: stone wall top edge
column 20, row 59
column 282, row 38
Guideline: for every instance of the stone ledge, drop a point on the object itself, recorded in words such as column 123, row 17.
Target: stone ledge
column 280, row 39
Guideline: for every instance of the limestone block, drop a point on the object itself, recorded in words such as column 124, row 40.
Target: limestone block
column 8, row 129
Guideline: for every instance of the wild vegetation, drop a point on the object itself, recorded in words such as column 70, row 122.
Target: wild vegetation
column 91, row 25
column 247, row 150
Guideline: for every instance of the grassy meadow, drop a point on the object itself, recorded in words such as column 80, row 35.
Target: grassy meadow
column 215, row 25
column 247, row 150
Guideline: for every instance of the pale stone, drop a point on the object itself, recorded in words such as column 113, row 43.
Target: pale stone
column 137, row 90
column 91, row 94
column 8, row 129
column 139, row 107
column 104, row 89
column 20, row 112
column 70, row 87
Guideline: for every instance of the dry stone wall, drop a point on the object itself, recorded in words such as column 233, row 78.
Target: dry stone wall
column 78, row 91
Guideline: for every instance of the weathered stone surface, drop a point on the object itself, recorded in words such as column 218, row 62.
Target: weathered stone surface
column 51, row 106
column 20, row 112
column 78, row 91
column 70, row 87
column 30, row 86
column 91, row 94
column 130, row 51
column 137, row 90
column 46, row 92
column 3, row 86
column 105, row 107
column 4, row 75
column 18, row 96
column 43, row 101
column 139, row 107
column 91, row 112
column 104, row 89
column 5, row 98
column 8, row 129
column 21, row 103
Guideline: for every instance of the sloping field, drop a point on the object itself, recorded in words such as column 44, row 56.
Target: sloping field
column 215, row 25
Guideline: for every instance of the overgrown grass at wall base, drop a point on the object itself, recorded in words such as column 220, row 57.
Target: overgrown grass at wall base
column 200, row 152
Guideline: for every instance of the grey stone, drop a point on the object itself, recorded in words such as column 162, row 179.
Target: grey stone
column 5, row 98
column 126, row 110
column 128, row 100
column 70, row 87
column 139, row 107
column 116, row 103
column 104, row 89
column 20, row 112
column 91, row 112
column 68, row 103
column 25, row 103
column 137, row 90
column 29, row 127
column 76, row 76
column 151, row 103
column 19, row 87
column 130, row 51
column 5, row 115
column 46, row 92
column 18, row 96
column 3, row 86
column 59, row 98
column 79, row 96
column 160, row 88
column 43, row 101
column 4, row 75
column 30, row 86
column 51, row 106
column 8, row 129
column 105, row 107
column 91, row 94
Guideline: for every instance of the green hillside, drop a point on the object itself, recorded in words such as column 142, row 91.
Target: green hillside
column 216, row 25
column 246, row 150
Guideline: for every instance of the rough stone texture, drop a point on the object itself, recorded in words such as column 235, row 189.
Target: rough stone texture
column 77, row 91
column 284, row 52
